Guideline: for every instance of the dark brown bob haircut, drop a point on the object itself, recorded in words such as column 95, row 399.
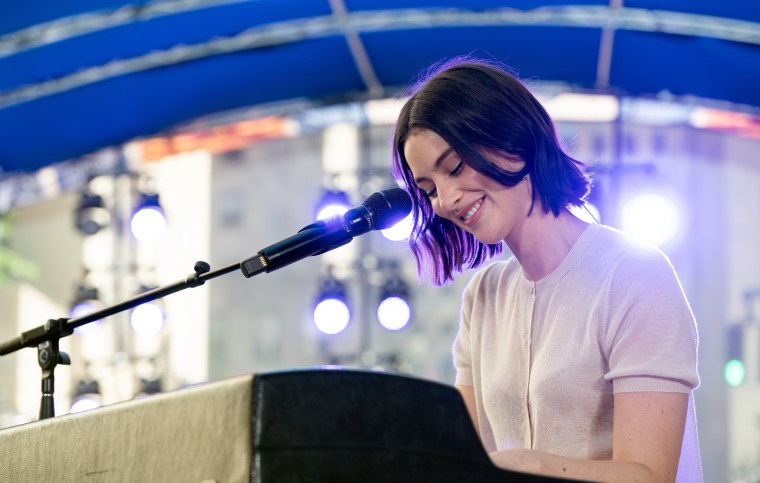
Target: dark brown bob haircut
column 477, row 106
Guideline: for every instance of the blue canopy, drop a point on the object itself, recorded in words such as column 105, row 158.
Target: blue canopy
column 80, row 75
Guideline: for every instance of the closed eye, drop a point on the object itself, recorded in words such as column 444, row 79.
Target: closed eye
column 457, row 169
column 454, row 172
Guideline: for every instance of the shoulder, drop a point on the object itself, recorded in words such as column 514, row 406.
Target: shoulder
column 627, row 255
column 643, row 289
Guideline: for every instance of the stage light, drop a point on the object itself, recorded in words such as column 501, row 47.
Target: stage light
column 147, row 319
column 579, row 107
column 331, row 312
column 332, row 203
column 401, row 230
column 150, row 386
column 86, row 300
column 86, row 397
column 148, row 220
column 651, row 217
column 394, row 311
column 91, row 214
column 734, row 370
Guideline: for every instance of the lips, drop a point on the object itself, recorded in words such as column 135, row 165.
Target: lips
column 472, row 211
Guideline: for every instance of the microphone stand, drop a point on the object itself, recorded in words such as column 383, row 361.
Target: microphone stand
column 47, row 337
column 381, row 210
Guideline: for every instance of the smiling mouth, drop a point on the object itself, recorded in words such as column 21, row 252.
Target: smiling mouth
column 471, row 212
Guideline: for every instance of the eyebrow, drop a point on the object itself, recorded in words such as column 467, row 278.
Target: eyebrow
column 437, row 163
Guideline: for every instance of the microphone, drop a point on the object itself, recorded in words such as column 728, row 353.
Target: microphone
column 378, row 212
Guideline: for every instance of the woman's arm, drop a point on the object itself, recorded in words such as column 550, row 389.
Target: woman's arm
column 647, row 434
column 468, row 394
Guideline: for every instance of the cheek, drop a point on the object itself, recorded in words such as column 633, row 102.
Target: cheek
column 436, row 207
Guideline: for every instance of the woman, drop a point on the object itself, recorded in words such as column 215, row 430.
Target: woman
column 576, row 357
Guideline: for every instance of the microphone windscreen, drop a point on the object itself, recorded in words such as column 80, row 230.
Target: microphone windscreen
column 388, row 207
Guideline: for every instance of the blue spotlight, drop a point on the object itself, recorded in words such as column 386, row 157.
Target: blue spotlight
column 147, row 319
column 331, row 312
column 91, row 213
column 86, row 397
column 651, row 217
column 332, row 203
column 148, row 220
column 85, row 403
column 394, row 311
column 86, row 300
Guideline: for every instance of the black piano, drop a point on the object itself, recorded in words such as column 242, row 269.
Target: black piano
column 345, row 425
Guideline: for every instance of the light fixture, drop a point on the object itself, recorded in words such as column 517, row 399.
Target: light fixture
column 651, row 217
column 87, row 396
column 148, row 219
column 331, row 312
column 91, row 213
column 734, row 370
column 393, row 310
column 148, row 318
column 150, row 386
column 332, row 203
column 581, row 107
column 86, row 300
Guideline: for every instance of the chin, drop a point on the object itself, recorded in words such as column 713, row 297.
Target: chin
column 488, row 240
column 482, row 235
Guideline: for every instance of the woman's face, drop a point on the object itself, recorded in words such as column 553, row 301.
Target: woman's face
column 478, row 204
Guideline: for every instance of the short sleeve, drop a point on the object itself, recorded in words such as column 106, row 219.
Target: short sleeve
column 462, row 348
column 463, row 354
column 651, row 337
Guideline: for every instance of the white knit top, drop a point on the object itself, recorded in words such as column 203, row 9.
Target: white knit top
column 545, row 358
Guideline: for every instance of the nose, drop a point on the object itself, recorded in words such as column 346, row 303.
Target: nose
column 448, row 199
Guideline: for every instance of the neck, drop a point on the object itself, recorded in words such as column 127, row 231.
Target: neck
column 543, row 241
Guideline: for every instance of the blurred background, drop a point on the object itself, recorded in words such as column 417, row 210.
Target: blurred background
column 137, row 138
